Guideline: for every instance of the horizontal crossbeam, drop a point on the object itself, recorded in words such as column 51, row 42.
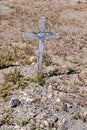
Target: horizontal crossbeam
column 40, row 36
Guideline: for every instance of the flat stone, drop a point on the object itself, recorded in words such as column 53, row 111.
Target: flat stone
column 52, row 119
column 47, row 111
column 17, row 63
column 10, row 127
column 14, row 102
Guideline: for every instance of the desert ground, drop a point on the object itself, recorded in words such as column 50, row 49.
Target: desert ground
column 56, row 99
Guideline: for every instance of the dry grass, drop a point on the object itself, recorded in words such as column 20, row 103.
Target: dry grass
column 64, row 18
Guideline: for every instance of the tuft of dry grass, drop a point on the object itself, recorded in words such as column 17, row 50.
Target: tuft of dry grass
column 47, row 59
column 5, row 59
column 13, row 80
column 6, row 119
column 5, row 91
column 23, row 122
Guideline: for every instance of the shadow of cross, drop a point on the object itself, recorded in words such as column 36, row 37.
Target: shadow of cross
column 41, row 36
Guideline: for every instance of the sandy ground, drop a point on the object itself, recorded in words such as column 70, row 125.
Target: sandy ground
column 61, row 102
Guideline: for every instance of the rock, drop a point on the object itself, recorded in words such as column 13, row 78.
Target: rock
column 14, row 102
column 10, row 127
column 64, row 121
column 17, row 63
column 47, row 111
column 58, row 105
column 68, row 105
column 52, row 119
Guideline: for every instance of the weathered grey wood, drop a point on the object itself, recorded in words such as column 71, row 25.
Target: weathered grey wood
column 40, row 56
column 29, row 36
column 41, row 36
column 42, row 24
column 41, row 42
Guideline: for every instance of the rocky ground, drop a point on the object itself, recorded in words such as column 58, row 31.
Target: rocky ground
column 57, row 100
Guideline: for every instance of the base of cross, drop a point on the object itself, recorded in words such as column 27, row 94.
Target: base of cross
column 40, row 79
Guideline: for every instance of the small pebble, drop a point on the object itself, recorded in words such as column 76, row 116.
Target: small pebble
column 68, row 105
column 17, row 63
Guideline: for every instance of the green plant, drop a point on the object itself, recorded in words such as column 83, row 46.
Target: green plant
column 13, row 76
column 5, row 59
column 16, row 9
column 10, row 6
column 8, row 56
column 49, row 126
column 22, row 83
column 36, row 127
column 17, row 79
column 60, row 88
column 40, row 79
column 23, row 122
column 13, row 80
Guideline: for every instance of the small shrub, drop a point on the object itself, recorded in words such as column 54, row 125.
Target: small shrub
column 40, row 80
column 17, row 79
column 60, row 88
column 49, row 126
column 13, row 76
column 5, row 91
column 22, row 83
column 23, row 122
column 6, row 119
column 47, row 59
column 36, row 127
column 5, row 60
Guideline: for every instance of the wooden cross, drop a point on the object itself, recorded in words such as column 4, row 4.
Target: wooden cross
column 41, row 36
